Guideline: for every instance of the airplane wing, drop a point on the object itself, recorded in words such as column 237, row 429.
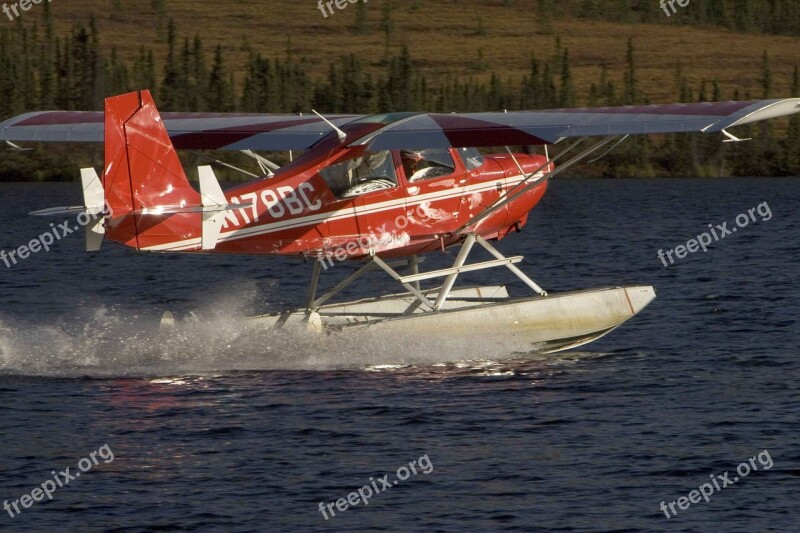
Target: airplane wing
column 191, row 131
column 220, row 131
column 552, row 126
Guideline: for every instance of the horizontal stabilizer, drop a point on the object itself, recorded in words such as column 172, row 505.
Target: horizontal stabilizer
column 53, row 211
column 93, row 195
column 177, row 209
column 94, row 199
column 214, row 200
column 93, row 208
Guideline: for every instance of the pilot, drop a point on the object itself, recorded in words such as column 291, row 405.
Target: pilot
column 368, row 167
column 413, row 162
column 379, row 164
column 426, row 164
column 374, row 171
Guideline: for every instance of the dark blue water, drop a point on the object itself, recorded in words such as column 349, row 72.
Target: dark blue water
column 208, row 434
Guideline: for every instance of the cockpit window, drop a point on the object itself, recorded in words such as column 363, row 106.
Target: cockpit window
column 374, row 171
column 471, row 157
column 427, row 164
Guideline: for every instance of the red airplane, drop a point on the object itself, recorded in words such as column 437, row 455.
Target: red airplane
column 372, row 189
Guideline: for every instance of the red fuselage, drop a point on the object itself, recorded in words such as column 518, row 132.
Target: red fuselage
column 343, row 202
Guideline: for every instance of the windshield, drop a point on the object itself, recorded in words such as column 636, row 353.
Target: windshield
column 471, row 157
column 426, row 164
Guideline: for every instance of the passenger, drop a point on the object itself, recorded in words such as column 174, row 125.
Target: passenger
column 432, row 163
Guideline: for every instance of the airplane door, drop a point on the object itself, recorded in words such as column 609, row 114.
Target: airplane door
column 341, row 222
column 380, row 206
column 436, row 181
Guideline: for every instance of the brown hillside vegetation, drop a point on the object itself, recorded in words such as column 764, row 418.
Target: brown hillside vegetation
column 463, row 38
column 392, row 55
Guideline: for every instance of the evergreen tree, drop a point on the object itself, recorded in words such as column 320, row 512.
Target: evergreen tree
column 566, row 96
column 631, row 94
column 220, row 89
column 40, row 69
column 361, row 26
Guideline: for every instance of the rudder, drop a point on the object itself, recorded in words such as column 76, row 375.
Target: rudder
column 146, row 189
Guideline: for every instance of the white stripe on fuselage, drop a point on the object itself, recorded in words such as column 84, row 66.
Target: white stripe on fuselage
column 339, row 214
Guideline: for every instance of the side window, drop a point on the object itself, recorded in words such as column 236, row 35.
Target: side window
column 427, row 164
column 471, row 157
column 373, row 171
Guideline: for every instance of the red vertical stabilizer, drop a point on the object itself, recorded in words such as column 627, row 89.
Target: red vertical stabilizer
column 146, row 189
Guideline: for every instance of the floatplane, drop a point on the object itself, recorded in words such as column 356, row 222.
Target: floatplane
column 380, row 191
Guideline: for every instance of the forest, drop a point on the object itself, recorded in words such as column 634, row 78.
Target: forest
column 42, row 68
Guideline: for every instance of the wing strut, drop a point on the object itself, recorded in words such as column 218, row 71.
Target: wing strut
column 226, row 165
column 599, row 157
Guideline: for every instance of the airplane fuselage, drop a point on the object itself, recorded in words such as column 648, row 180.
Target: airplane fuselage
column 337, row 202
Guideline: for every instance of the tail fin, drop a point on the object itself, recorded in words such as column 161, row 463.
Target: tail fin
column 144, row 200
column 152, row 205
column 143, row 179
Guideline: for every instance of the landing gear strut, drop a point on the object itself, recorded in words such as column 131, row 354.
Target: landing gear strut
column 411, row 281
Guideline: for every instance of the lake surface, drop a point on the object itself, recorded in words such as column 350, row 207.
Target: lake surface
column 207, row 434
